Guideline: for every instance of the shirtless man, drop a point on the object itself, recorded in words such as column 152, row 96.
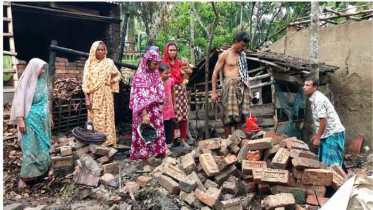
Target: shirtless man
column 236, row 94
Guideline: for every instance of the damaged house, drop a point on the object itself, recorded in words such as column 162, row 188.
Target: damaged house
column 276, row 81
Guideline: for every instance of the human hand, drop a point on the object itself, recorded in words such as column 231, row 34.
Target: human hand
column 22, row 126
column 183, row 88
column 214, row 97
column 51, row 122
column 88, row 103
column 251, row 97
column 316, row 142
column 146, row 119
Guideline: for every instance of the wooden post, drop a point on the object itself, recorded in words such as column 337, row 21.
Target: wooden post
column 52, row 61
column 314, row 39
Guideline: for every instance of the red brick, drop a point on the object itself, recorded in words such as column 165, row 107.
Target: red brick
column 264, row 188
column 174, row 172
column 242, row 155
column 209, row 197
column 321, row 177
column 248, row 166
column 103, row 159
column 210, row 183
column 309, row 155
column 218, row 159
column 208, row 164
column 194, row 176
column 232, row 204
column 313, row 201
column 276, row 176
column 247, row 177
column 281, row 159
column 224, row 147
column 283, row 143
column 111, row 168
column 210, row 144
column 304, row 163
column 234, row 148
column 61, row 68
column 60, row 63
column 338, row 170
column 202, row 176
column 188, row 164
column 66, row 150
column 279, row 200
column 189, row 198
column 169, row 184
column 257, row 175
column 264, row 143
column 268, row 153
column 189, row 184
column 337, row 181
column 296, row 144
column 64, row 164
column 205, row 151
column 60, row 71
column 298, row 193
column 143, row 181
column 253, row 155
column 276, row 137
column 230, row 187
column 99, row 150
column 60, row 59
column 224, row 175
column 320, row 190
column 226, row 162
column 294, row 153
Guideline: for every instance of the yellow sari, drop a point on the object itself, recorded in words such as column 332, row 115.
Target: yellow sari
column 97, row 78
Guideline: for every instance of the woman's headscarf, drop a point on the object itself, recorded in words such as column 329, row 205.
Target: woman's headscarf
column 97, row 71
column 147, row 87
column 176, row 67
column 24, row 94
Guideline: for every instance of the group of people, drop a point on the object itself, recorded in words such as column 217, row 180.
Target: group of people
column 158, row 97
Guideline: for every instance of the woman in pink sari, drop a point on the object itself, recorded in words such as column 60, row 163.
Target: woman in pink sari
column 147, row 96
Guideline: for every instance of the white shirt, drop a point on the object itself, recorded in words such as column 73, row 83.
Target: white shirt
column 323, row 108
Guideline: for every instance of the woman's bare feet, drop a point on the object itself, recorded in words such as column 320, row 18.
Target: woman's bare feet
column 22, row 184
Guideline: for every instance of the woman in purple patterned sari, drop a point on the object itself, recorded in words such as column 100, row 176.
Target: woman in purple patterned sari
column 147, row 96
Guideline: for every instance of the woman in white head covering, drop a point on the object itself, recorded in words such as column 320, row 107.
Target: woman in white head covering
column 31, row 112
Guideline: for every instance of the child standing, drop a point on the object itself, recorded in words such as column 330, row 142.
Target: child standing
column 147, row 96
column 168, row 104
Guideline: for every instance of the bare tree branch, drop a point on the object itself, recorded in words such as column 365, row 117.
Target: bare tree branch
column 270, row 24
column 200, row 21
column 259, row 17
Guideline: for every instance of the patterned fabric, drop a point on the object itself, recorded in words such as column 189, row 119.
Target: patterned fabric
column 168, row 106
column 97, row 83
column 175, row 67
column 331, row 149
column 242, row 67
column 323, row 108
column 236, row 101
column 147, row 92
column 36, row 141
column 181, row 106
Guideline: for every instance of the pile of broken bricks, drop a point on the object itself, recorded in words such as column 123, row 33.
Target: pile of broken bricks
column 90, row 164
column 228, row 173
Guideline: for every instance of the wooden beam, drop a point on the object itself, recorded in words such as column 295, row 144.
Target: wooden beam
column 269, row 63
column 263, row 76
column 83, row 54
column 64, row 14
column 257, row 69
column 333, row 17
column 262, row 110
column 261, row 85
